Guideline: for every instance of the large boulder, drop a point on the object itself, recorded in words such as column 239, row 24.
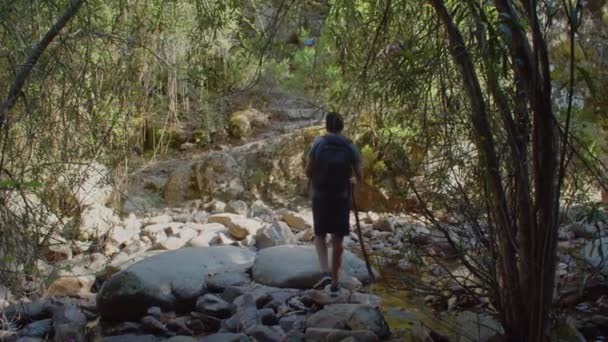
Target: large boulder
column 216, row 175
column 299, row 266
column 596, row 253
column 171, row 280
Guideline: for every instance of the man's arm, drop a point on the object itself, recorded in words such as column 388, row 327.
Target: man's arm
column 308, row 168
column 358, row 164
column 310, row 157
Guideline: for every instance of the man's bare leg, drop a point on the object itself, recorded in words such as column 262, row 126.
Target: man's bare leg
column 321, row 247
column 336, row 260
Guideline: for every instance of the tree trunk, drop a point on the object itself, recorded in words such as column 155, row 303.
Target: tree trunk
column 510, row 292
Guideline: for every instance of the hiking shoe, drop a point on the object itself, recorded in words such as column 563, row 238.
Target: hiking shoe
column 325, row 280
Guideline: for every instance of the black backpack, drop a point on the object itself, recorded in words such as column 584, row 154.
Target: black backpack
column 333, row 161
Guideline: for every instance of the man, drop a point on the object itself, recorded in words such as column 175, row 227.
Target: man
column 332, row 160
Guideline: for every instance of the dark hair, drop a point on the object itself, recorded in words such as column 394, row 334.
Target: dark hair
column 334, row 122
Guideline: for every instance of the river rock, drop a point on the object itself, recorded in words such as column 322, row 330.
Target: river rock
column 214, row 306
column 181, row 339
column 383, row 225
column 69, row 324
column 239, row 227
column 226, row 337
column 266, row 333
column 296, row 221
column 275, row 234
column 132, row 224
column 38, row 328
column 216, row 207
column 238, row 207
column 119, row 235
column 593, row 252
column 6, row 297
column 171, row 280
column 70, row 281
column 360, row 317
column 153, row 325
column 262, row 211
column 130, row 338
column 96, row 221
column 299, row 266
column 479, row 327
column 335, row 335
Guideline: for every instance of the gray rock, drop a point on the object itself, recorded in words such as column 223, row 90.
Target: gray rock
column 268, row 317
column 130, row 338
column 293, row 322
column 263, row 295
column 226, row 337
column 181, row 339
column 326, row 320
column 22, row 312
column 214, row 306
column 276, row 234
column 69, row 324
column 29, row 339
column 170, row 244
column 479, row 327
column 237, row 207
column 247, row 314
column 208, row 235
column 365, row 298
column 369, row 318
column 132, row 224
column 229, row 325
column 219, row 282
column 160, row 219
column 216, row 207
column 295, row 336
column 153, row 325
column 383, row 225
column 38, row 328
column 8, row 336
column 122, row 328
column 180, row 326
column 333, row 335
column 154, row 311
column 119, row 235
column 96, row 220
column 359, row 317
column 261, row 210
column 262, row 333
column 299, row 266
column 170, row 280
column 596, row 254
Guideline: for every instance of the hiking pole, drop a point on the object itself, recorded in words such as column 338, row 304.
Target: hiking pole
column 365, row 257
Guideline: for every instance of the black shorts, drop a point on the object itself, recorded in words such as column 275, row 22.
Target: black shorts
column 331, row 216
